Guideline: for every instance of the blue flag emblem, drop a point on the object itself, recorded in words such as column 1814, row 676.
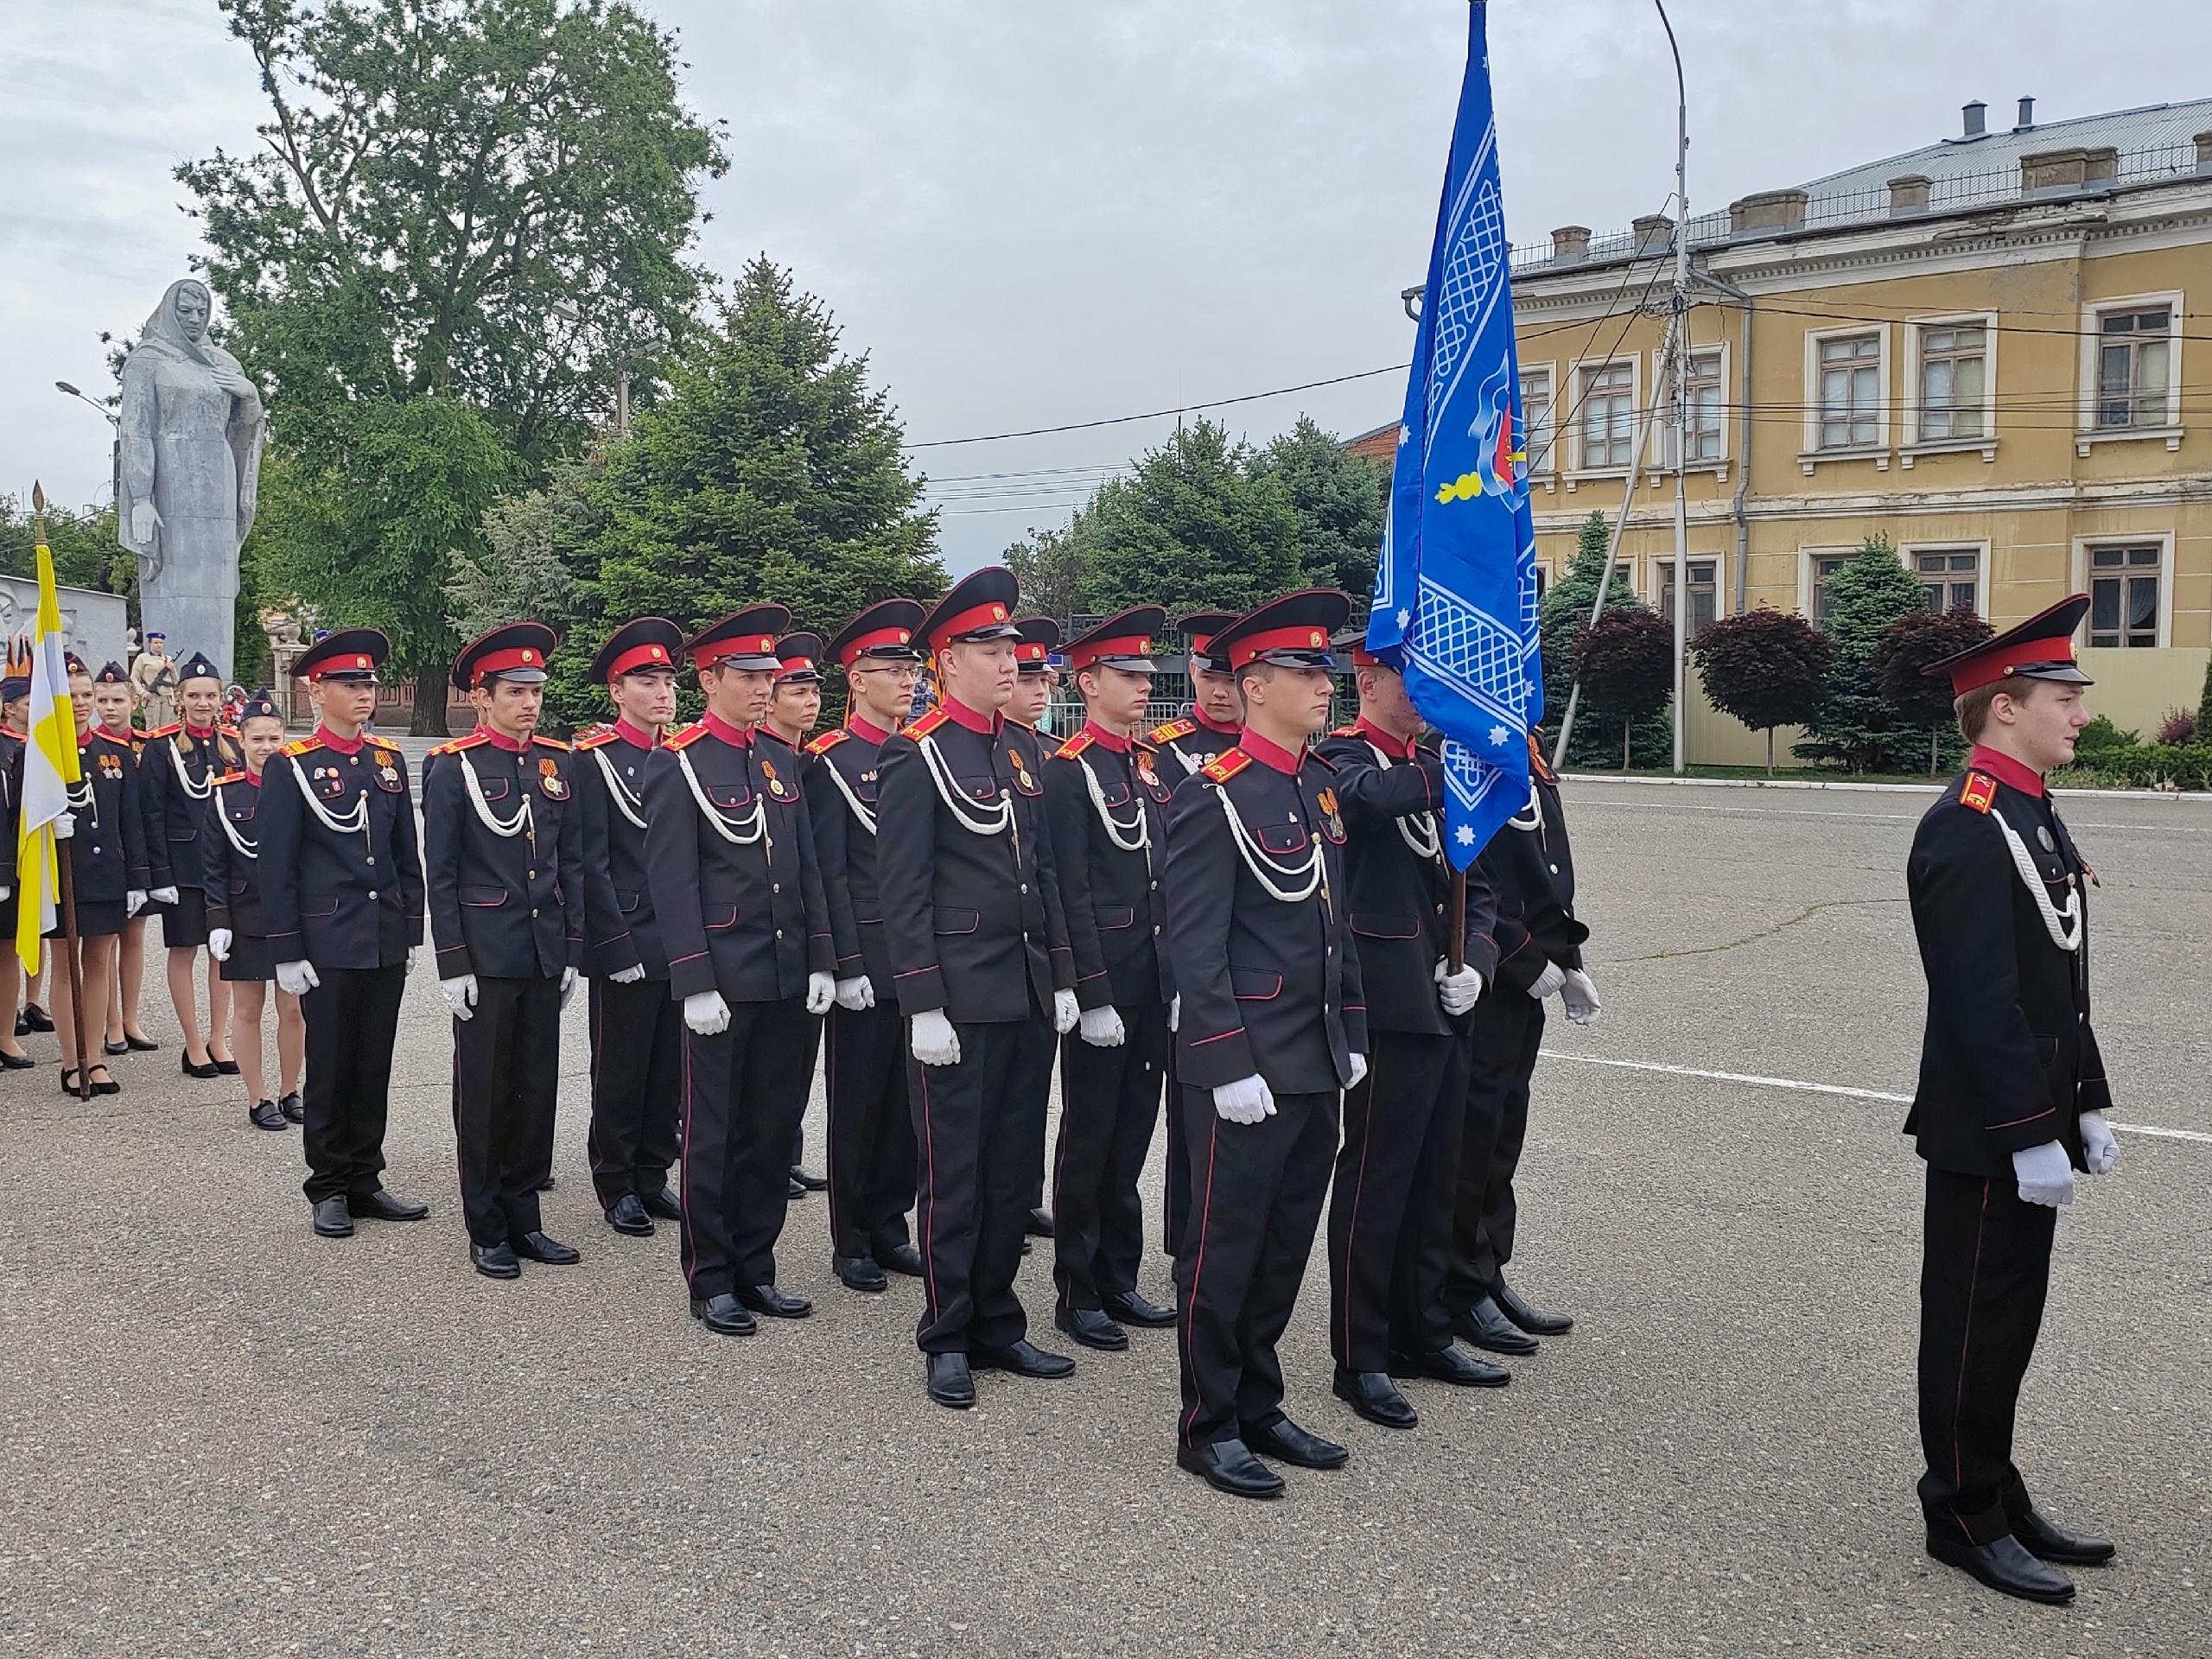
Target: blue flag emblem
column 1455, row 590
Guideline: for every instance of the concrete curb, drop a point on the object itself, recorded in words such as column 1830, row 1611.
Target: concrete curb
column 1867, row 789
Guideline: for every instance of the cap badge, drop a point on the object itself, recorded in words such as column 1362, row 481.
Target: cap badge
column 998, row 613
column 360, row 662
column 903, row 636
column 1319, row 639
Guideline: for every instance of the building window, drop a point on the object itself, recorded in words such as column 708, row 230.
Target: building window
column 1705, row 595
column 2134, row 359
column 2124, row 596
column 1608, row 416
column 1536, row 418
column 1825, row 565
column 1543, row 582
column 1951, row 577
column 1702, row 430
column 1953, row 379
column 1851, row 391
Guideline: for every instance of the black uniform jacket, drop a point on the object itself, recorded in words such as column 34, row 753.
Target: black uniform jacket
column 610, row 778
column 107, row 853
column 843, row 781
column 1101, row 794
column 1530, row 870
column 1397, row 882
column 1185, row 746
column 971, row 903
column 231, row 858
column 2009, row 1060
column 342, row 898
column 11, row 803
column 745, row 918
column 174, row 806
column 504, row 906
column 1268, row 986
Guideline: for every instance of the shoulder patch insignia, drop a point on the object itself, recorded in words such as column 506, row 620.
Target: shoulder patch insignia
column 230, row 778
column 1073, row 747
column 1981, row 792
column 303, row 746
column 1223, row 767
column 926, row 725
column 551, row 743
column 460, row 743
column 1160, row 735
column 829, row 740
column 1345, row 731
column 686, row 738
column 165, row 731
column 598, row 736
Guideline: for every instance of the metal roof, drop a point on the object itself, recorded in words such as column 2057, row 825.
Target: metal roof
column 2155, row 126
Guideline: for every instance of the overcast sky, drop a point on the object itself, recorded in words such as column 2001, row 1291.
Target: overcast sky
column 1030, row 212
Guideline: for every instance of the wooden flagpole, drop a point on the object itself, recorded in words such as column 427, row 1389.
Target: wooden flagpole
column 68, row 885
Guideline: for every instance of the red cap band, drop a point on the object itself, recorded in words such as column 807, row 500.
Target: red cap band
column 1986, row 667
column 352, row 664
column 1029, row 650
column 1081, row 656
column 858, row 647
column 983, row 616
column 795, row 665
column 745, row 644
column 652, row 656
column 1253, row 646
column 498, row 662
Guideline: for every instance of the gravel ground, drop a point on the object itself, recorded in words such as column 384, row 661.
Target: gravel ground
column 225, row 1436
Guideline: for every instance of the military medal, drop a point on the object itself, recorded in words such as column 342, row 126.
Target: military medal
column 2043, row 837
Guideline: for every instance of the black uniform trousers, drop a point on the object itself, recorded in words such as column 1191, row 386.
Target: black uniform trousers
column 1509, row 1029
column 1982, row 1283
column 1176, row 1220
column 744, row 1089
column 353, row 1021
column 976, row 1149
column 1390, row 1214
column 1110, row 1100
column 637, row 1087
column 1255, row 1199
column 871, row 1131
column 507, row 1075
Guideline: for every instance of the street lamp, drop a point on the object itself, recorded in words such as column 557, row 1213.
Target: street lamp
column 107, row 414
column 115, row 447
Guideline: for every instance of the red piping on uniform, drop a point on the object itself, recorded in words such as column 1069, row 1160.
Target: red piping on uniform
column 1966, row 1335
column 2017, row 1122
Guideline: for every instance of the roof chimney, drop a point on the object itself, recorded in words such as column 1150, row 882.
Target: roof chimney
column 1570, row 245
column 2027, row 120
column 1655, row 233
column 1977, row 114
column 2203, row 142
column 1909, row 195
column 1770, row 211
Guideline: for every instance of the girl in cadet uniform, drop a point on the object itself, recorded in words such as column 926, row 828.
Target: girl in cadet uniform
column 14, row 719
column 238, row 930
column 111, row 697
column 107, row 866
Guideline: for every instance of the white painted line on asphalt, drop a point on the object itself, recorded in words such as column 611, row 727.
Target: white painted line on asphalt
column 1867, row 818
column 1820, row 1088
column 1867, row 789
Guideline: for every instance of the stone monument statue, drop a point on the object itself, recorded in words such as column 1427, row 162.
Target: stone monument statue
column 191, row 435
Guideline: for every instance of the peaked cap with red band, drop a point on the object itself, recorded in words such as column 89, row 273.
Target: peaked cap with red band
column 1198, row 629
column 801, row 657
column 744, row 640
column 2040, row 648
column 1354, row 645
column 1124, row 641
column 649, row 642
column 979, row 608
column 344, row 655
column 515, row 652
column 1293, row 632
column 885, row 632
column 1033, row 652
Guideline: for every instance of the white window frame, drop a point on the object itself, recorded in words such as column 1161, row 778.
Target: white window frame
column 2088, row 434
column 2082, row 544
column 1916, row 445
column 1663, row 467
column 1910, row 552
column 1576, row 470
column 1879, row 451
column 1807, row 557
column 1662, row 562
column 1549, row 475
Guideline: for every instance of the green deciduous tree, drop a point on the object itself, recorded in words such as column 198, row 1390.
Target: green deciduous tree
column 1561, row 619
column 1340, row 500
column 1765, row 668
column 1194, row 526
column 1053, row 567
column 1856, row 727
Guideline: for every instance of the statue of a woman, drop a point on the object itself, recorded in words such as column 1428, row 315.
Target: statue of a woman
column 192, row 430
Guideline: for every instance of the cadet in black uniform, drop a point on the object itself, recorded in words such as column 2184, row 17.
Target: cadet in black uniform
column 341, row 881
column 794, row 711
column 1391, row 1217
column 742, row 916
column 978, row 949
column 2012, row 1093
column 637, row 1028
column 871, row 1131
column 238, row 922
column 1273, row 1026
column 175, row 766
column 106, row 852
column 1530, row 870
column 1036, row 677
column 14, row 717
column 1107, row 804
column 503, row 859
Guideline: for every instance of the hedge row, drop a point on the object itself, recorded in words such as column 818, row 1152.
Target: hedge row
column 2187, row 767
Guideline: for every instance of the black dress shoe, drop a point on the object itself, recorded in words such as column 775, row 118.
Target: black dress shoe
column 860, row 1272
column 495, row 1261
column 776, row 1304
column 663, row 1203
column 104, row 1085
column 1228, row 1466
column 1485, row 1326
column 17, row 1061
column 1450, row 1365
column 899, row 1258
column 22, row 1024
column 1535, row 1324
column 35, row 1017
column 113, row 1049
column 1039, row 1222
column 809, row 1179
column 1376, row 1397
column 2005, row 1568
column 723, row 1313
column 547, row 1252
column 381, row 1205
column 1286, row 1442
column 2040, row 1538
column 627, row 1215
column 1023, row 1358
column 333, row 1219
column 1131, row 1309
column 223, row 1068
column 138, row 1045
column 1091, row 1328
column 794, row 1193
column 264, row 1116
column 202, row 1072
column 950, row 1383
column 294, row 1108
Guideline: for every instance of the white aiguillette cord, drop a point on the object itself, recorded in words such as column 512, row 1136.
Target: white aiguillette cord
column 757, row 823
column 2064, row 926
column 861, row 813
column 1261, row 863
column 354, row 822
column 1117, row 832
column 995, row 821
column 618, row 792
column 1417, row 830
column 197, row 791
column 522, row 823
column 246, row 848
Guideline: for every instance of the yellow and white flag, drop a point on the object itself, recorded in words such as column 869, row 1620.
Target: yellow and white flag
column 49, row 767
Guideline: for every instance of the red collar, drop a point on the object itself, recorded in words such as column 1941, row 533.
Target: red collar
column 344, row 745
column 100, row 730
column 860, row 726
column 1104, row 738
column 1269, row 754
column 1205, row 725
column 500, row 739
column 2006, row 770
column 1398, row 748
column 735, row 737
column 961, row 715
column 251, row 776
column 200, row 734
column 636, row 737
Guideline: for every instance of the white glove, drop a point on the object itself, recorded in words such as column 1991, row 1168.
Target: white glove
column 163, row 895
column 297, row 977
column 1458, row 992
column 706, row 1013
column 934, row 1042
column 1065, row 1012
column 2045, row 1175
column 1102, row 1028
column 219, row 943
column 821, row 992
column 1246, row 1101
column 1175, row 1012
column 6, row 893
column 1549, row 980
column 1358, row 1069
column 134, row 901
column 629, row 976
column 1579, row 996
column 460, row 996
column 65, row 826
column 568, row 987
column 2098, row 1149
column 857, row 993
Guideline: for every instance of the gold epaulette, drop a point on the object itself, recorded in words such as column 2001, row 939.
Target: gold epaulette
column 1163, row 735
column 229, row 778
column 1073, row 747
column 928, row 723
column 460, row 743
column 226, row 731
column 686, row 738
column 597, row 737
column 829, row 740
column 302, row 745
column 1223, row 767
column 1345, row 731
column 165, row 731
column 1979, row 792
column 549, row 743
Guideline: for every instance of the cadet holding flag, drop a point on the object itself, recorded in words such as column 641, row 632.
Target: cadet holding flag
column 106, row 856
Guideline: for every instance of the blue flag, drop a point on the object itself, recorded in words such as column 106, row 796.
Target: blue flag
column 1455, row 591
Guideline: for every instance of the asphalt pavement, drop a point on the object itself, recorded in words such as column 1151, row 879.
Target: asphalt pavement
column 225, row 1436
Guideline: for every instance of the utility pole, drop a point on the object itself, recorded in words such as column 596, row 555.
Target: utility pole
column 1678, row 365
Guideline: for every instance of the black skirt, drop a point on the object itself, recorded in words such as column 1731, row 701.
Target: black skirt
column 184, row 923
column 249, row 959
column 96, row 919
